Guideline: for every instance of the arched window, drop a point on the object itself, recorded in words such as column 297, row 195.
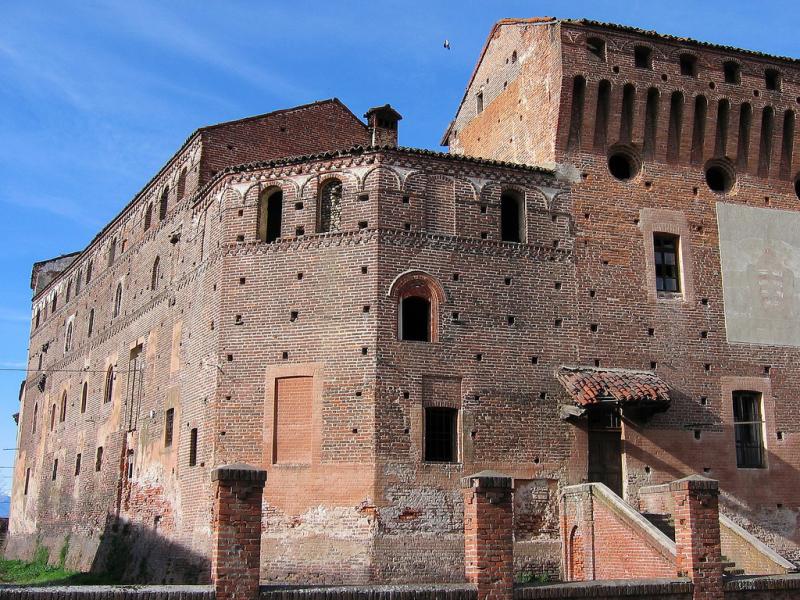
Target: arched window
column 511, row 220
column 78, row 279
column 181, row 184
column 117, row 301
column 63, row 416
column 52, row 417
column 164, row 204
column 38, row 318
column 148, row 217
column 84, row 396
column 330, row 206
column 156, row 274
column 270, row 210
column 418, row 296
column 112, row 251
column 88, row 272
column 90, row 326
column 415, row 319
column 69, row 291
column 54, row 303
column 109, row 387
column 68, row 338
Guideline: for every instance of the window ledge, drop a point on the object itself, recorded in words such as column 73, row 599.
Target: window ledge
column 670, row 296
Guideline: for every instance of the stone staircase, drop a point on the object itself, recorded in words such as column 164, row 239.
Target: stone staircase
column 666, row 525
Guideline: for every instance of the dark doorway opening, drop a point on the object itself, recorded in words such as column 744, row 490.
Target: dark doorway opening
column 605, row 448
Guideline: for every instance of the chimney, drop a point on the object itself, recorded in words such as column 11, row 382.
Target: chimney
column 382, row 122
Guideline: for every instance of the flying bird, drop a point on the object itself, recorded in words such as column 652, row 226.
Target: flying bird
column 447, row 44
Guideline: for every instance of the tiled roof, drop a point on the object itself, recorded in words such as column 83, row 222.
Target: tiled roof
column 356, row 150
column 589, row 386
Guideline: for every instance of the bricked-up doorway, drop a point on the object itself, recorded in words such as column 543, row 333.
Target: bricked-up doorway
column 605, row 448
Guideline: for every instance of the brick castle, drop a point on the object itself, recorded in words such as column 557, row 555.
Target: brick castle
column 600, row 282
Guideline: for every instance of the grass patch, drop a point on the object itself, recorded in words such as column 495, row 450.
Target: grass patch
column 38, row 572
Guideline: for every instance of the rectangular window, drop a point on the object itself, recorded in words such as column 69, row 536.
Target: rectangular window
column 292, row 422
column 169, row 420
column 441, row 426
column 665, row 247
column 98, row 461
column 55, row 469
column 748, row 424
column 479, row 102
column 77, row 464
column 193, row 447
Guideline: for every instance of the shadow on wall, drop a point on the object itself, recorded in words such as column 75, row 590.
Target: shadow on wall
column 776, row 525
column 131, row 552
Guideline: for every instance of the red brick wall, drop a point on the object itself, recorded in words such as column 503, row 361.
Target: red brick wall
column 293, row 422
column 308, row 129
column 613, row 224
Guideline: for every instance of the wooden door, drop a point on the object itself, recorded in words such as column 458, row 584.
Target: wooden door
column 605, row 450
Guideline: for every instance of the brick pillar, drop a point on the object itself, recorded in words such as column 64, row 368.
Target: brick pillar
column 236, row 530
column 488, row 534
column 697, row 538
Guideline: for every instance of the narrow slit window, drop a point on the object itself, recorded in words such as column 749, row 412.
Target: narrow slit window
column 108, row 392
column 626, row 119
column 787, row 147
column 169, row 423
column 84, row 396
column 117, row 301
column 155, row 274
column 651, row 123
column 510, row 217
column 78, row 464
column 767, row 131
column 68, row 338
column 721, row 140
column 63, row 414
column 601, row 116
column 441, row 430
column 27, row 480
column 675, row 126
column 330, row 206
column 699, row 128
column 745, row 122
column 55, row 469
column 148, row 217
column 270, row 211
column 576, row 117
column 666, row 247
column 748, row 423
column 163, row 204
column 193, row 447
column 479, row 102
column 181, row 189
column 90, row 324
column 98, row 461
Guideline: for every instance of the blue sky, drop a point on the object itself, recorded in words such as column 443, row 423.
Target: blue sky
column 95, row 96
